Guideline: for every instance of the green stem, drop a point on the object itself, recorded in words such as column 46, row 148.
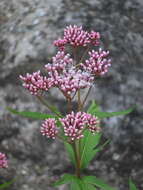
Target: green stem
column 79, row 101
column 86, row 96
column 77, row 158
column 69, row 105
column 45, row 103
column 84, row 54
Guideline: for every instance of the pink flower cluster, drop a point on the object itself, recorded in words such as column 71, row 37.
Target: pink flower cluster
column 35, row 82
column 63, row 72
column 3, row 161
column 73, row 124
column 97, row 64
column 49, row 129
column 76, row 36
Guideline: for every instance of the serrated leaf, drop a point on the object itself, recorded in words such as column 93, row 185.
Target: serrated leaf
column 32, row 115
column 67, row 178
column 6, row 184
column 94, row 110
column 132, row 185
column 70, row 152
column 97, row 182
column 87, row 147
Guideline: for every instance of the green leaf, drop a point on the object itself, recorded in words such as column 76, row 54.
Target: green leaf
column 87, row 147
column 93, row 107
column 55, row 110
column 102, row 115
column 88, row 186
column 70, row 152
column 76, row 184
column 6, row 184
column 94, row 110
column 132, row 185
column 32, row 115
column 67, row 178
column 97, row 182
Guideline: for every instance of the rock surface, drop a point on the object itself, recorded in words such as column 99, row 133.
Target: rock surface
column 27, row 29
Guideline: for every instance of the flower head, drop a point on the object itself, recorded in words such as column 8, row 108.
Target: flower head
column 97, row 64
column 75, row 123
column 94, row 37
column 49, row 129
column 3, row 161
column 59, row 62
column 70, row 81
column 35, row 82
column 60, row 43
column 76, row 36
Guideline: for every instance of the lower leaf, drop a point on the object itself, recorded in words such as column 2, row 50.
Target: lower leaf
column 6, row 184
column 132, row 185
column 70, row 152
column 97, row 182
column 67, row 178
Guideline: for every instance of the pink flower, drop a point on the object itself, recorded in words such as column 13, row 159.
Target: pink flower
column 97, row 64
column 3, row 161
column 60, row 43
column 70, row 81
column 76, row 36
column 59, row 62
column 94, row 37
column 75, row 123
column 35, row 82
column 65, row 76
column 92, row 123
column 49, row 129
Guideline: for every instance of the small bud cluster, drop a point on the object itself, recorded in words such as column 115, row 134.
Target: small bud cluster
column 3, row 161
column 94, row 37
column 73, row 124
column 76, row 36
column 35, row 82
column 49, row 128
column 65, row 73
column 97, row 64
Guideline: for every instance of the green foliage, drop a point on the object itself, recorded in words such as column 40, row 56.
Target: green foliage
column 84, row 183
column 96, row 182
column 66, row 178
column 70, row 152
column 32, row 115
column 6, row 184
column 132, row 185
column 94, row 110
column 87, row 147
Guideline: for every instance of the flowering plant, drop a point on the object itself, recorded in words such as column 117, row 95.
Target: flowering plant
column 79, row 130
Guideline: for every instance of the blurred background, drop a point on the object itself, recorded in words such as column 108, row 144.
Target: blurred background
column 27, row 30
